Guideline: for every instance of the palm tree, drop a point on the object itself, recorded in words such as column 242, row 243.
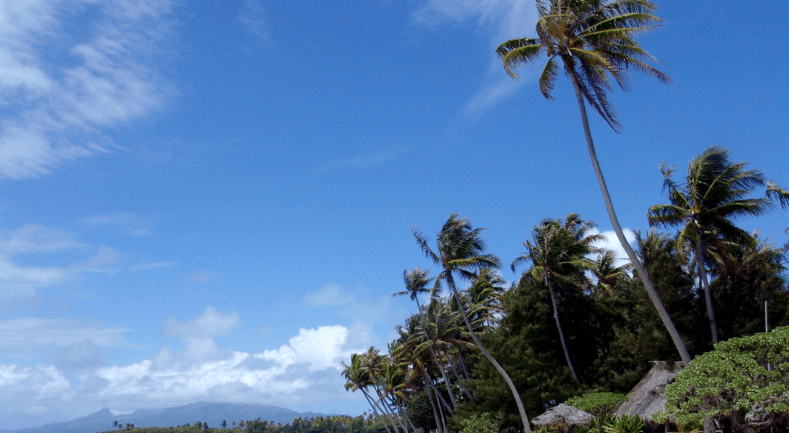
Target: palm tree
column 416, row 282
column 593, row 40
column 357, row 378
column 558, row 254
column 780, row 195
column 460, row 251
column 715, row 191
column 607, row 273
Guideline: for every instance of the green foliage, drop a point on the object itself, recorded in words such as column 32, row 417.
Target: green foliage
column 745, row 379
column 625, row 424
column 483, row 423
column 599, row 404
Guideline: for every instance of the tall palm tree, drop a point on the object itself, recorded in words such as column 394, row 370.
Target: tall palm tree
column 460, row 251
column 593, row 41
column 558, row 255
column 715, row 191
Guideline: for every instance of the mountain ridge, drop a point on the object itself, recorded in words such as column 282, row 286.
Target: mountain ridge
column 205, row 412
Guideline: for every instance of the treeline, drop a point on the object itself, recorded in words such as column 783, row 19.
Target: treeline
column 577, row 319
column 329, row 424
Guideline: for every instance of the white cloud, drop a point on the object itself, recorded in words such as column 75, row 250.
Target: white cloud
column 59, row 88
column 303, row 371
column 611, row 242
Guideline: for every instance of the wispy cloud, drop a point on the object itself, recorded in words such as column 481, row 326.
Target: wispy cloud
column 370, row 159
column 34, row 238
column 59, row 88
column 24, row 334
column 149, row 266
column 127, row 223
column 253, row 19
column 501, row 20
column 20, row 278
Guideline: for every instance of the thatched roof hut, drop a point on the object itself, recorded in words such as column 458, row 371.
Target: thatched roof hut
column 562, row 417
column 648, row 397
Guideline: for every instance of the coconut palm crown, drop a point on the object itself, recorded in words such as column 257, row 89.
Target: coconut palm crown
column 593, row 40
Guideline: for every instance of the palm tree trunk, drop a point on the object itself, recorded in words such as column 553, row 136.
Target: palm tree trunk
column 441, row 411
column 559, row 326
column 447, row 384
column 385, row 409
column 432, row 403
column 373, row 406
column 609, row 206
column 706, row 285
column 521, row 409
column 454, row 367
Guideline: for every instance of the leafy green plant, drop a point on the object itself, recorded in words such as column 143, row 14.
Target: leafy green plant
column 743, row 379
column 483, row 423
column 599, row 404
column 625, row 424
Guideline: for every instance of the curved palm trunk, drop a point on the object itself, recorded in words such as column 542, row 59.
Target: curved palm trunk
column 385, row 409
column 432, row 403
column 609, row 206
column 707, row 291
column 502, row 372
column 460, row 379
column 374, row 407
column 559, row 326
column 447, row 383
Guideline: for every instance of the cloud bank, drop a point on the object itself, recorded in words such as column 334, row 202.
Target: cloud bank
column 78, row 382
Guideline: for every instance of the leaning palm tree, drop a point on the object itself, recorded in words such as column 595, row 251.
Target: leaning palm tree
column 460, row 251
column 593, row 41
column 558, row 255
column 715, row 191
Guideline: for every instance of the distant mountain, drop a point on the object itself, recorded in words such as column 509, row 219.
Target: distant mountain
column 211, row 413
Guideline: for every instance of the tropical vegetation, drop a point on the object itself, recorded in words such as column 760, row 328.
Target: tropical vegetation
column 576, row 325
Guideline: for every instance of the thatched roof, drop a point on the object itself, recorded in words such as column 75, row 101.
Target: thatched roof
column 563, row 415
column 648, row 397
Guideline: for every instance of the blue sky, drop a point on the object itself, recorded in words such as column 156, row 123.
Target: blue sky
column 212, row 201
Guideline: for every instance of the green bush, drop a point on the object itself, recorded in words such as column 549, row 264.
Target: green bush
column 625, row 424
column 599, row 404
column 743, row 379
column 484, row 423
